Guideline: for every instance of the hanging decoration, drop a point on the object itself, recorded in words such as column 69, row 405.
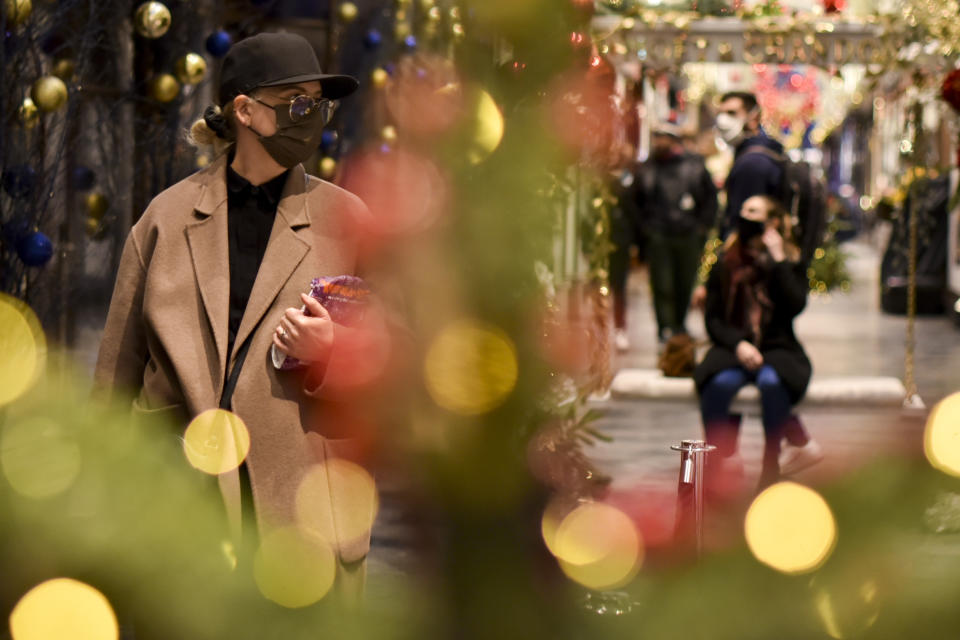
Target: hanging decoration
column 17, row 11
column 348, row 12
column 65, row 69
column 27, row 114
column 152, row 19
column 191, row 68
column 49, row 93
column 218, row 43
column 35, row 249
column 164, row 88
column 19, row 181
column 82, row 178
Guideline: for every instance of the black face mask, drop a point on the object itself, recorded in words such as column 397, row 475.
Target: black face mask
column 293, row 142
column 749, row 229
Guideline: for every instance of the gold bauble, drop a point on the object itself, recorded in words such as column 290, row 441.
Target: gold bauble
column 64, row 69
column 17, row 11
column 389, row 133
column 327, row 168
column 401, row 30
column 427, row 4
column 97, row 205
column 95, row 228
column 348, row 12
column 164, row 88
column 152, row 19
column 379, row 78
column 49, row 93
column 28, row 114
column 191, row 68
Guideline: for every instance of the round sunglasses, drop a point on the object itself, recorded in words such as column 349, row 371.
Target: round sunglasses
column 301, row 107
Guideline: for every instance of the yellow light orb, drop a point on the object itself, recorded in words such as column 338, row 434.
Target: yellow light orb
column 598, row 546
column 294, row 569
column 470, row 368
column 152, row 19
column 790, row 528
column 65, row 69
column 216, row 441
column 49, row 93
column 427, row 4
column 23, row 348
column 389, row 133
column 17, row 11
column 337, row 500
column 63, row 608
column 28, row 114
column 327, row 168
column 191, row 68
column 348, row 12
column 847, row 606
column 941, row 438
column 379, row 78
column 92, row 227
column 97, row 204
column 40, row 458
column 164, row 88
column 486, row 128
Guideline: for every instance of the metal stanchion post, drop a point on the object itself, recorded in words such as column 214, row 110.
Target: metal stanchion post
column 693, row 455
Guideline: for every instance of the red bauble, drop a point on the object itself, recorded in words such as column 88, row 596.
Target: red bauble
column 950, row 91
column 834, row 6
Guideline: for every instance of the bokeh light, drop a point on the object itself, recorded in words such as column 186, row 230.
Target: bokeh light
column 216, row 441
column 941, row 441
column 790, row 528
column 337, row 500
column 404, row 191
column 63, row 608
column 40, row 457
column 486, row 126
column 424, row 96
column 596, row 545
column 294, row 568
column 846, row 607
column 23, row 348
column 470, row 368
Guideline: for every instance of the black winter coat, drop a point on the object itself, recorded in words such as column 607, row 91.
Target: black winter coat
column 787, row 287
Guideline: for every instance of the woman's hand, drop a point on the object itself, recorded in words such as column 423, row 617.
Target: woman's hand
column 749, row 356
column 308, row 338
column 773, row 241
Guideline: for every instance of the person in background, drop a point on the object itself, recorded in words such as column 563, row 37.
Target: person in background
column 675, row 202
column 755, row 290
column 623, row 236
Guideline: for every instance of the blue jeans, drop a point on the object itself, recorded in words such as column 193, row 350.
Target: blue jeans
column 722, row 429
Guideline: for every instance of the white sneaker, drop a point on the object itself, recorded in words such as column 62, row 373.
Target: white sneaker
column 794, row 459
column 621, row 341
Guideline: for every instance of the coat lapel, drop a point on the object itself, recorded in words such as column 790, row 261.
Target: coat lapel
column 285, row 250
column 210, row 254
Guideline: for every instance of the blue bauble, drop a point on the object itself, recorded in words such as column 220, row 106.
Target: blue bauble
column 14, row 231
column 389, row 68
column 410, row 42
column 219, row 43
column 82, row 178
column 35, row 250
column 373, row 39
column 19, row 181
column 328, row 138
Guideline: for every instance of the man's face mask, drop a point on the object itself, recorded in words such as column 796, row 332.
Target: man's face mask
column 300, row 125
column 731, row 128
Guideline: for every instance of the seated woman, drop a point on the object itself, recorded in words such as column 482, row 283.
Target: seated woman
column 754, row 292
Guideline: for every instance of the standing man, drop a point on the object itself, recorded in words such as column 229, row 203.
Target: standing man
column 676, row 204
column 755, row 172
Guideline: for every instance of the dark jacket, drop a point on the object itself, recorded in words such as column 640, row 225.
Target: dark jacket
column 674, row 196
column 753, row 174
column 787, row 287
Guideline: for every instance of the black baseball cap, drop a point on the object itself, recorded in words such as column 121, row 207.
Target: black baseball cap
column 273, row 59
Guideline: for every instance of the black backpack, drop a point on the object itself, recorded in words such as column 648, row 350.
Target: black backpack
column 804, row 197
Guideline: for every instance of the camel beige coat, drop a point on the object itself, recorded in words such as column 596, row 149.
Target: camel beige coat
column 166, row 333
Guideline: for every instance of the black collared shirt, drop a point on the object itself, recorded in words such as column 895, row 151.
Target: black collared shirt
column 251, row 211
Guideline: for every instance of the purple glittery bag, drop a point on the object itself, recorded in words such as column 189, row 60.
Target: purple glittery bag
column 344, row 298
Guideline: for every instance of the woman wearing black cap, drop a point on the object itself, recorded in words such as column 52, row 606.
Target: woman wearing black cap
column 215, row 273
